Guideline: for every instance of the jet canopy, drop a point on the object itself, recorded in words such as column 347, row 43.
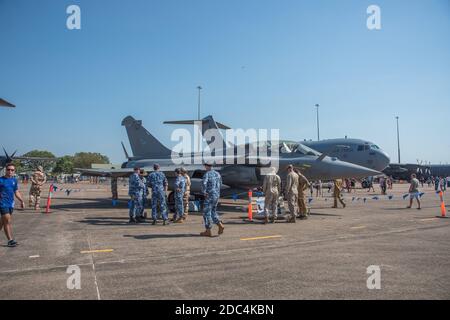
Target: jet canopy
column 289, row 147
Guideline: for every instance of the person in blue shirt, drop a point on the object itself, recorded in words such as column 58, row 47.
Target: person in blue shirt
column 180, row 188
column 158, row 183
column 8, row 189
column 211, row 183
column 135, row 187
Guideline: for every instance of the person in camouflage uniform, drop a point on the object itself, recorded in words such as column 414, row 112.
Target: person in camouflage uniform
column 303, row 185
column 337, row 193
column 271, row 189
column 180, row 188
column 114, row 192
column 37, row 181
column 291, row 192
column 211, row 183
column 135, row 186
column 158, row 183
column 187, row 193
column 144, row 192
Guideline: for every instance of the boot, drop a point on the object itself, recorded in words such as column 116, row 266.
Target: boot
column 291, row 219
column 221, row 227
column 266, row 220
column 179, row 220
column 206, row 233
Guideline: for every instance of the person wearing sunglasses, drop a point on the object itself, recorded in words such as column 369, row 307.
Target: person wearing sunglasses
column 8, row 189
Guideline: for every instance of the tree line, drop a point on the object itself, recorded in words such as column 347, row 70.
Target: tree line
column 65, row 164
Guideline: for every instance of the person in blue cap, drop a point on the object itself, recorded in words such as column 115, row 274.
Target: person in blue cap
column 211, row 183
column 157, row 181
column 180, row 188
column 135, row 186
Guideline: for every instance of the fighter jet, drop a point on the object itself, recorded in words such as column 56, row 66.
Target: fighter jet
column 244, row 171
column 356, row 151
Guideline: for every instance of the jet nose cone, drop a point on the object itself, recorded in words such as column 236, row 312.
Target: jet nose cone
column 384, row 161
column 349, row 170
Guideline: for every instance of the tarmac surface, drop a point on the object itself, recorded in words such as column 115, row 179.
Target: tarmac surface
column 324, row 257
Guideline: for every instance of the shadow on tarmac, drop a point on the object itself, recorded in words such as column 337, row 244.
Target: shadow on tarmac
column 162, row 236
column 104, row 222
column 90, row 204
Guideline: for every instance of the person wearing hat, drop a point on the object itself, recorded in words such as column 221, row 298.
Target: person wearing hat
column 180, row 188
column 291, row 192
column 157, row 181
column 303, row 185
column 187, row 192
column 135, row 186
column 271, row 189
column 337, row 195
column 37, row 181
column 144, row 193
column 211, row 183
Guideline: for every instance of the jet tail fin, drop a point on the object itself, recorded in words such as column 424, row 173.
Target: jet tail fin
column 143, row 143
column 208, row 124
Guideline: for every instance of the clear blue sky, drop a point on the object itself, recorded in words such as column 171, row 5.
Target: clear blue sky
column 262, row 63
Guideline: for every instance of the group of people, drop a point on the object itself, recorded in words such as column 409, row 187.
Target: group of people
column 440, row 183
column 157, row 182
column 294, row 191
column 140, row 184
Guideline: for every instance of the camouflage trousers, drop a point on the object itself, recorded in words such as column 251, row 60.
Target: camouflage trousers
column 292, row 204
column 186, row 203
column 35, row 198
column 210, row 211
column 136, row 206
column 159, row 202
column 338, row 196
column 271, row 204
column 179, row 205
column 302, row 208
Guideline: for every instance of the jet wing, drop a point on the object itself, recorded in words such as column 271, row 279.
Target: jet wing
column 126, row 172
column 106, row 172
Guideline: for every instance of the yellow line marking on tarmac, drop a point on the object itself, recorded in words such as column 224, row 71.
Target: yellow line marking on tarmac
column 35, row 256
column 97, row 251
column 358, row 227
column 259, row 238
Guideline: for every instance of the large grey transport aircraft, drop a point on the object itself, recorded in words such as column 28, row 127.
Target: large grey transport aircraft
column 240, row 175
column 357, row 151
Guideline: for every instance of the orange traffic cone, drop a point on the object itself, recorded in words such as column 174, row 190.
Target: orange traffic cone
column 250, row 207
column 49, row 199
column 443, row 210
